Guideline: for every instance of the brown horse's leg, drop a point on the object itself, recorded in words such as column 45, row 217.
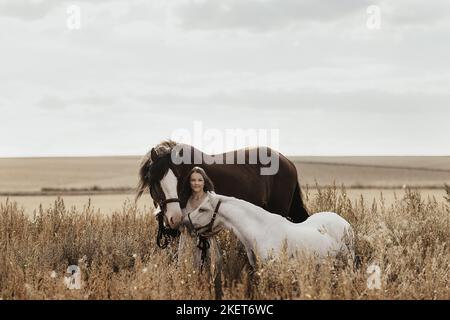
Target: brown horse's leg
column 285, row 196
column 297, row 211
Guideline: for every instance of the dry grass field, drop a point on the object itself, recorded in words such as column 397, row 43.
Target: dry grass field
column 408, row 241
column 405, row 234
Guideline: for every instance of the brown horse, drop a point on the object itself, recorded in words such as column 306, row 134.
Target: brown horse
column 240, row 176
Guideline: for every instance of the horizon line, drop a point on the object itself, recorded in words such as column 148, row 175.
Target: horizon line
column 286, row 155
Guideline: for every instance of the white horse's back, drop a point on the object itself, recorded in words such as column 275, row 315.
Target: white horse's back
column 332, row 225
column 329, row 222
column 323, row 234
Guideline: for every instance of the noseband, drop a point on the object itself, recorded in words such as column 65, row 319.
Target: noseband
column 163, row 204
column 167, row 233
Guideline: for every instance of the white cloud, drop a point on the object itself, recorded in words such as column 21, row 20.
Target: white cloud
column 258, row 15
column 410, row 13
column 138, row 70
column 25, row 9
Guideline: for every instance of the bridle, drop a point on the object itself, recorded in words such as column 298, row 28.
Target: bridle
column 203, row 243
column 208, row 226
column 163, row 203
column 164, row 232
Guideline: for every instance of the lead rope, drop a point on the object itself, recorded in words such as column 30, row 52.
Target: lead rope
column 161, row 234
column 203, row 245
column 164, row 234
column 203, row 242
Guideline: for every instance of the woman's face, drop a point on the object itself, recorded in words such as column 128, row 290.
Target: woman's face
column 197, row 182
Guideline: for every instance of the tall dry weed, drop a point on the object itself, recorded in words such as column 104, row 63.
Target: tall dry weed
column 407, row 242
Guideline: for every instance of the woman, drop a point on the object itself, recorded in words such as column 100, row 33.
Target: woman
column 194, row 189
column 195, row 186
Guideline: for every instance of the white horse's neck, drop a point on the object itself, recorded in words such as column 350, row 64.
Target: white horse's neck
column 247, row 221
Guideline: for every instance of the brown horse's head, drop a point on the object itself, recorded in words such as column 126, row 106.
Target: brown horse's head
column 158, row 174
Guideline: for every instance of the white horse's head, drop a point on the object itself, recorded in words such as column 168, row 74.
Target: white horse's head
column 204, row 220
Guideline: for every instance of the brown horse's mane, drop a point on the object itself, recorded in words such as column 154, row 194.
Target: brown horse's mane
column 151, row 171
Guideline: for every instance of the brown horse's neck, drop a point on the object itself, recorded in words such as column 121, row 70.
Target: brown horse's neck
column 195, row 159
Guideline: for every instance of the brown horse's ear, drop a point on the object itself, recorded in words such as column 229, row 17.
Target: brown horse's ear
column 153, row 155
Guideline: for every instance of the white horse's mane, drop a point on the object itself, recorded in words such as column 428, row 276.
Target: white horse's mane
column 244, row 203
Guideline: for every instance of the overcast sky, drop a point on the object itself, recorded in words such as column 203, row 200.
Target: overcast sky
column 320, row 72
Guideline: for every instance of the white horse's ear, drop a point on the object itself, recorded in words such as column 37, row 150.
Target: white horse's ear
column 211, row 196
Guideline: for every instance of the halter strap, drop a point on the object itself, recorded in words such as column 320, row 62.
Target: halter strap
column 203, row 242
column 215, row 214
column 170, row 200
column 162, row 205
column 210, row 224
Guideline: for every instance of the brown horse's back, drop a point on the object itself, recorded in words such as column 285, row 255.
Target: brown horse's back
column 278, row 193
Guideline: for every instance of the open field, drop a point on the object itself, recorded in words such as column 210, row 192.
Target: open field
column 109, row 203
column 33, row 174
column 109, row 181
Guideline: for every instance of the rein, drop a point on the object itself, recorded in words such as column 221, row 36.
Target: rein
column 164, row 232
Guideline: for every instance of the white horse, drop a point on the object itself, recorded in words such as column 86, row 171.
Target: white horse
column 189, row 240
column 322, row 234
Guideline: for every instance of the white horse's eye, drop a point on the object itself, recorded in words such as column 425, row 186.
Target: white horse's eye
column 201, row 210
